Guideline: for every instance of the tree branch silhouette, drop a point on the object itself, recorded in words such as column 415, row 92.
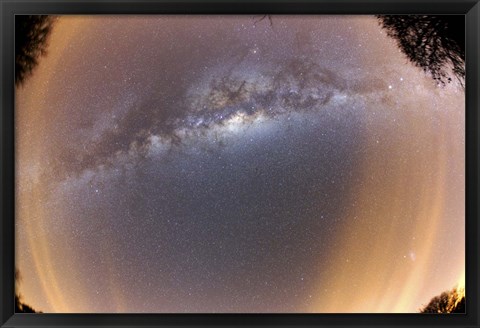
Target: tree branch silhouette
column 435, row 43
column 31, row 41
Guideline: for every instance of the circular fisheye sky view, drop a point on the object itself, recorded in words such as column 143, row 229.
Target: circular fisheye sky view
column 289, row 164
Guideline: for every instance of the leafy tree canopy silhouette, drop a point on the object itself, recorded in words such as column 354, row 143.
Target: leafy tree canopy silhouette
column 31, row 41
column 448, row 302
column 435, row 43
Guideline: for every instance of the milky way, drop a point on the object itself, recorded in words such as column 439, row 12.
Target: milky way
column 223, row 164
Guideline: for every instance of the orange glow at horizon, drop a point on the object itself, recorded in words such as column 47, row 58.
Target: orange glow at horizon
column 404, row 196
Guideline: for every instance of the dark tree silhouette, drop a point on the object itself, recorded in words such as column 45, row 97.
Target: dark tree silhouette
column 435, row 43
column 447, row 302
column 20, row 306
column 31, row 41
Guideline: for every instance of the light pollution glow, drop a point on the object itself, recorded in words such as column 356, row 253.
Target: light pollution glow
column 399, row 238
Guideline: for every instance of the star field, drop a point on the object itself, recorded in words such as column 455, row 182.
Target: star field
column 223, row 164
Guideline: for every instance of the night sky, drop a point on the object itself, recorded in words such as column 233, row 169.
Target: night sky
column 223, row 164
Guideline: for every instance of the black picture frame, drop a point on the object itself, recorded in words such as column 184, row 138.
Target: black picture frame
column 9, row 8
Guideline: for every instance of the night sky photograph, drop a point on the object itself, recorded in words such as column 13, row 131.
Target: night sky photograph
column 240, row 164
